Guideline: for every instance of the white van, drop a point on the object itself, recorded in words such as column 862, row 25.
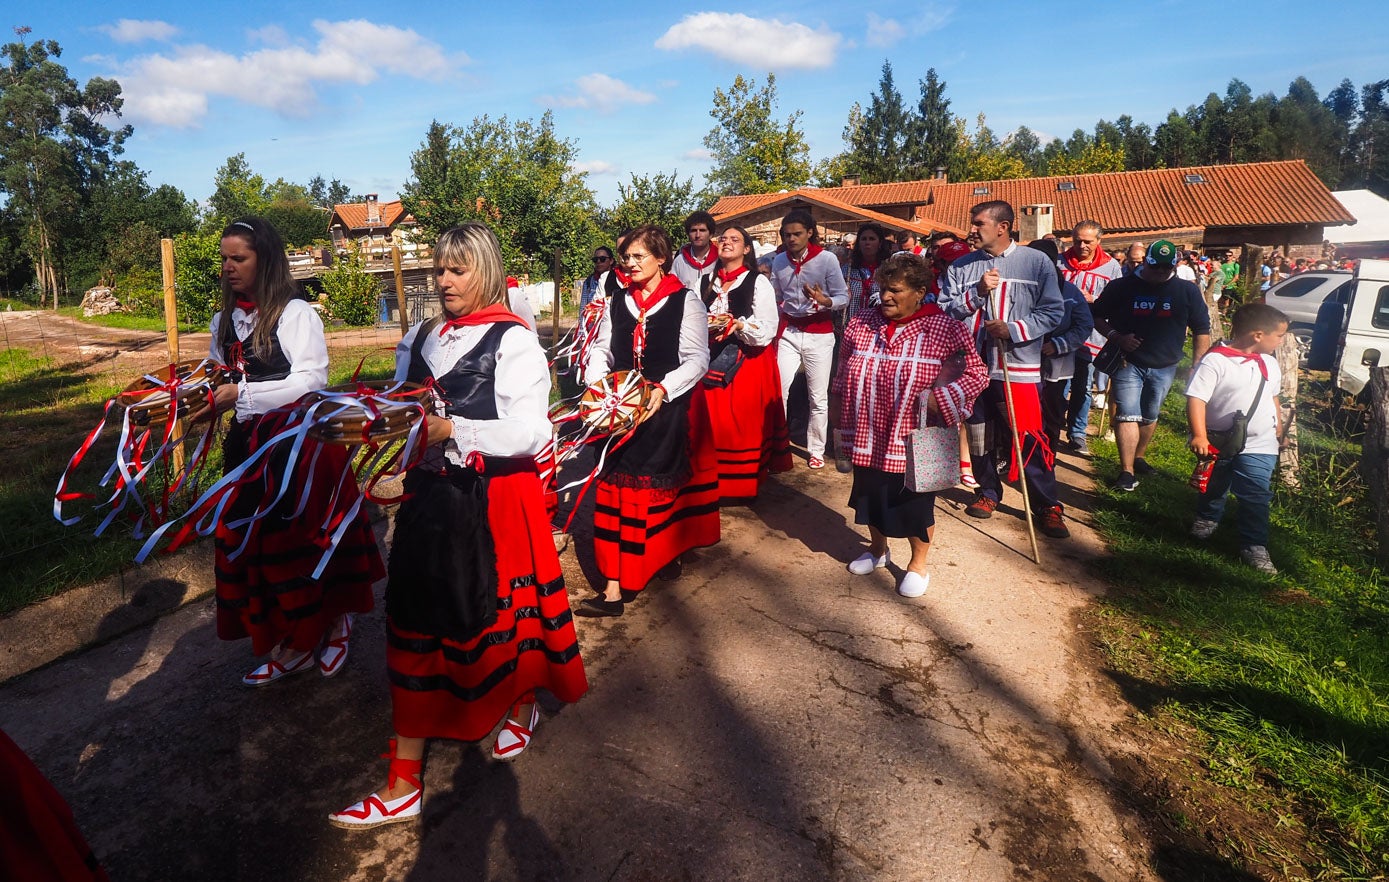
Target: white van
column 1352, row 331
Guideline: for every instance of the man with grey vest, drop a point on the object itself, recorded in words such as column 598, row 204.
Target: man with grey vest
column 1010, row 298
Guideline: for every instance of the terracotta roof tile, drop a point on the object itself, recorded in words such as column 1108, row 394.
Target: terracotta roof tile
column 732, row 206
column 353, row 215
column 1248, row 194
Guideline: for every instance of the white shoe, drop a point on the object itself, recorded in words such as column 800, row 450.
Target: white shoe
column 913, row 584
column 333, row 654
column 866, row 563
column 514, row 737
column 375, row 811
column 1203, row 529
column 281, row 665
column 1257, row 557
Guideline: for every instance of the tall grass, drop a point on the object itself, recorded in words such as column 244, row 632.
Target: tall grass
column 1286, row 677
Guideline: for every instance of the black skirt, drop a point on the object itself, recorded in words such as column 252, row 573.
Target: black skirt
column 882, row 501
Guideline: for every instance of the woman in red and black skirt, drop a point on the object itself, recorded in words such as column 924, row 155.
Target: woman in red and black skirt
column 265, row 584
column 477, row 614
column 743, row 388
column 892, row 357
column 658, row 492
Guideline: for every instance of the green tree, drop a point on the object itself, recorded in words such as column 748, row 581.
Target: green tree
column 326, row 194
column 753, row 152
column 351, row 294
column 54, row 148
column 877, row 140
column 198, row 276
column 238, row 192
column 1303, row 128
column 659, row 199
column 516, row 177
column 1176, row 142
column 1344, row 104
column 1371, row 139
column 293, row 211
column 1027, row 147
column 984, row 158
column 934, row 133
column 1094, row 158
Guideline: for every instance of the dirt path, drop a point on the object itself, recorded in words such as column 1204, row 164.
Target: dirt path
column 769, row 716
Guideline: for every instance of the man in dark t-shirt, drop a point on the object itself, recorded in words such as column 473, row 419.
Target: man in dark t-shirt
column 1147, row 314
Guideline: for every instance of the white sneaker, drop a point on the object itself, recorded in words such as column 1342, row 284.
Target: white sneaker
column 913, row 584
column 1203, row 529
column 1257, row 557
column 866, row 563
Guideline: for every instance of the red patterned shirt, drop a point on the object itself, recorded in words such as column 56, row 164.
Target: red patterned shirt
column 880, row 382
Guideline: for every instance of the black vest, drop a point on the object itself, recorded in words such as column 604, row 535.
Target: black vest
column 469, row 386
column 662, row 335
column 259, row 367
column 739, row 306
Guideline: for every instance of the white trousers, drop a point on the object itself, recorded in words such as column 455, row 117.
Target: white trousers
column 813, row 353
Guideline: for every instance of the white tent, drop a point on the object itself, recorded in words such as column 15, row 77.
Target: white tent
column 1371, row 213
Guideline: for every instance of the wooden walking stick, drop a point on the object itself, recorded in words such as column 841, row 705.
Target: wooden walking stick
column 1017, row 439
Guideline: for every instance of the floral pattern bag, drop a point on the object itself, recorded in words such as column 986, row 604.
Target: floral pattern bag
column 933, row 459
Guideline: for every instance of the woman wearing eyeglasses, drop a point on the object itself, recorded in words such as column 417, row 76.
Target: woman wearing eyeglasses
column 657, row 493
column 743, row 387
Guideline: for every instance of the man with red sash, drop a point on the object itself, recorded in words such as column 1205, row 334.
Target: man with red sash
column 1089, row 267
column 699, row 258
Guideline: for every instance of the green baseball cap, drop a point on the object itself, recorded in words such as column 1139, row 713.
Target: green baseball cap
column 1162, row 253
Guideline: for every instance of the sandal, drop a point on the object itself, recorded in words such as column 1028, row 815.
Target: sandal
column 280, row 666
column 967, row 478
column 333, row 655
column 375, row 811
column 515, row 738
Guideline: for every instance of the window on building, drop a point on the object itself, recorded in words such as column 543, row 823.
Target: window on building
column 1194, row 179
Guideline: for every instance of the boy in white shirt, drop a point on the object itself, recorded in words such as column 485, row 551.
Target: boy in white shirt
column 1240, row 376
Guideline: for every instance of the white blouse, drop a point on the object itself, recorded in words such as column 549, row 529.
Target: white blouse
column 300, row 333
column 759, row 329
column 521, row 390
column 694, row 345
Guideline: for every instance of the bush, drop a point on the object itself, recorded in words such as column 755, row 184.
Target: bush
column 353, row 295
column 140, row 291
column 198, row 277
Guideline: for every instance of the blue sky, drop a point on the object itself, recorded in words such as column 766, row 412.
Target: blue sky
column 348, row 91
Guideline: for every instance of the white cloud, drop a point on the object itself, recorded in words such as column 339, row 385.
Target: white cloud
column 174, row 89
column 595, row 167
column 130, row 30
column 883, row 32
column 767, row 44
column 699, row 154
column 270, row 35
column 932, row 17
column 602, row 93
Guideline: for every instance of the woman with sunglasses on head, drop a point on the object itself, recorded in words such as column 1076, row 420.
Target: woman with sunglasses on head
column 264, row 571
column 657, row 493
column 743, row 389
column 477, row 614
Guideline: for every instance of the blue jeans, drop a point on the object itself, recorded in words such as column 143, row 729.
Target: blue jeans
column 1139, row 392
column 1249, row 477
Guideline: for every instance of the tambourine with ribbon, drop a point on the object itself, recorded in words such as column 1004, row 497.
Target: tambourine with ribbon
column 363, row 412
column 157, row 410
column 605, row 413
column 179, row 391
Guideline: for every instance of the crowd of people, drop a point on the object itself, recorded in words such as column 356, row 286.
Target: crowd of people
column 995, row 345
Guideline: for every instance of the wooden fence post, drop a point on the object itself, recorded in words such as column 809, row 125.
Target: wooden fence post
column 1373, row 456
column 556, row 274
column 166, row 261
column 1289, row 355
column 399, row 289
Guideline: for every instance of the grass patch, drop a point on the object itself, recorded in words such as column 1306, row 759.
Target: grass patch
column 127, row 321
column 45, row 412
column 1286, row 678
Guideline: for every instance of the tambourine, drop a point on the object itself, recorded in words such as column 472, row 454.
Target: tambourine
column 149, row 400
column 367, row 411
column 616, row 403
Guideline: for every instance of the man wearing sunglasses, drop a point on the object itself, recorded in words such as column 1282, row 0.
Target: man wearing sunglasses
column 602, row 262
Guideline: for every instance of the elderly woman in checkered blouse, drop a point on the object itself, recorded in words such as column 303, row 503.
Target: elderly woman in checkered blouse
column 891, row 359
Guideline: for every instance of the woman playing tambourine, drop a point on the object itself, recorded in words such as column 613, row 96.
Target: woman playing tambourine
column 477, row 614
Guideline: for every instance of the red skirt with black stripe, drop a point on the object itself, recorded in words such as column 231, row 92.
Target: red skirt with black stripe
column 637, row 529
column 441, row 688
column 267, row 592
column 749, row 427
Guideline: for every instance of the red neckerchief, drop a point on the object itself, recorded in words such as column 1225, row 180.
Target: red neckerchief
column 668, row 285
column 488, row 314
column 1073, row 260
column 246, row 306
column 726, row 279
column 810, row 251
column 1240, row 356
column 922, row 311
column 708, row 261
column 621, row 275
